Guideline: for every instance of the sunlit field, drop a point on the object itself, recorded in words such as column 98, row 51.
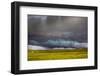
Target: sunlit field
column 34, row 55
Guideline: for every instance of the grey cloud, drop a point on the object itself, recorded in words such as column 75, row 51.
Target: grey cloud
column 66, row 27
column 59, row 43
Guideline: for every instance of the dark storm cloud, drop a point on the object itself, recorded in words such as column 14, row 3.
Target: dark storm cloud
column 56, row 23
column 42, row 28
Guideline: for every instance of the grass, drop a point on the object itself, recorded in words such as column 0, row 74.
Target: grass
column 34, row 55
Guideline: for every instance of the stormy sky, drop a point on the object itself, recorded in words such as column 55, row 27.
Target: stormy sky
column 42, row 29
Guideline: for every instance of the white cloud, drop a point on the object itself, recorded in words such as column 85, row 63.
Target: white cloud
column 34, row 47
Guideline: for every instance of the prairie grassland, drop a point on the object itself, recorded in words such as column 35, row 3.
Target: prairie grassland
column 34, row 55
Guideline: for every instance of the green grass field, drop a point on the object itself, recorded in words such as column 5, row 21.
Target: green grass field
column 34, row 55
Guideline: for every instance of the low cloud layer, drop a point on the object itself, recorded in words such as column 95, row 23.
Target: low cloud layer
column 60, row 43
